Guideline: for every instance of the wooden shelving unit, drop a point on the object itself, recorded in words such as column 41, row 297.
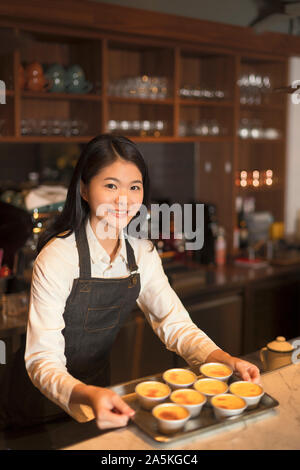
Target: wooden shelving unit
column 119, row 52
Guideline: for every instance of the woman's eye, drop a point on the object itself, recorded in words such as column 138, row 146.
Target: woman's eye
column 135, row 188
column 110, row 186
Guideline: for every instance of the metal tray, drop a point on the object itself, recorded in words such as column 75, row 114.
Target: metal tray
column 206, row 421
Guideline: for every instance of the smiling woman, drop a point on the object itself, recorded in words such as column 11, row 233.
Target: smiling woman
column 114, row 196
column 84, row 286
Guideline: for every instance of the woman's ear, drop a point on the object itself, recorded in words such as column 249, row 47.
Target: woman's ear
column 83, row 191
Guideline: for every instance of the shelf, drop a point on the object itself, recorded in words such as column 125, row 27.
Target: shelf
column 129, row 100
column 48, row 139
column 262, row 141
column 220, row 103
column 198, row 138
column 263, row 189
column 60, row 96
column 108, row 58
column 262, row 107
column 167, row 138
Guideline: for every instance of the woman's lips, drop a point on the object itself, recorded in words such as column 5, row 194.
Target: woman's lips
column 119, row 214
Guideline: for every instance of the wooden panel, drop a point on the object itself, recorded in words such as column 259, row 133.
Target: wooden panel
column 7, row 117
column 140, row 22
column 272, row 309
column 215, row 181
column 141, row 112
column 221, row 319
column 208, row 71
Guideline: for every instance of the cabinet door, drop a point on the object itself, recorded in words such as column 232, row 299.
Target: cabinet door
column 215, row 182
column 138, row 352
column 272, row 309
column 221, row 319
column 123, row 352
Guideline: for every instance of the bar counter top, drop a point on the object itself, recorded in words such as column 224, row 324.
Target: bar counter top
column 189, row 280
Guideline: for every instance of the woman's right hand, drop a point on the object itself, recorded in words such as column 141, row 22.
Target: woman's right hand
column 109, row 409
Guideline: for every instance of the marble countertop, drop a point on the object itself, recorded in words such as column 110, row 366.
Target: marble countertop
column 279, row 428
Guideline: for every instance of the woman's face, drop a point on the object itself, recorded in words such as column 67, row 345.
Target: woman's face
column 114, row 195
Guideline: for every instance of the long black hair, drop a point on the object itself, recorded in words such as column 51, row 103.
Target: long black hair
column 100, row 152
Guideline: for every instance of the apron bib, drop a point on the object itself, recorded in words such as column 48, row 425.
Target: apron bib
column 95, row 311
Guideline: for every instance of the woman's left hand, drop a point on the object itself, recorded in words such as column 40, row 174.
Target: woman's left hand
column 246, row 370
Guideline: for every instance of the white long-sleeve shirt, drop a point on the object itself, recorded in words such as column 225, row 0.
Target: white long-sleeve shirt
column 55, row 269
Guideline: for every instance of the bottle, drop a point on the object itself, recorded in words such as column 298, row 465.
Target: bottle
column 220, row 247
column 236, row 230
column 243, row 228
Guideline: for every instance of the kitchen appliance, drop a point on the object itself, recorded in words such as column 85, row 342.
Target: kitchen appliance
column 258, row 224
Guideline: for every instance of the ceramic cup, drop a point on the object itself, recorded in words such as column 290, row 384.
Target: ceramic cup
column 179, row 378
column 170, row 417
column 150, row 393
column 192, row 400
column 250, row 392
column 227, row 405
column 216, row 370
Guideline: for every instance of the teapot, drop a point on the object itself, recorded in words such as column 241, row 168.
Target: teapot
column 276, row 354
column 35, row 80
column 75, row 80
column 55, row 73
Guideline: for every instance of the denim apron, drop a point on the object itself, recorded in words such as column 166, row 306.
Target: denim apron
column 95, row 311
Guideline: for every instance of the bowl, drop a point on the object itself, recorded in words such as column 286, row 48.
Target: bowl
column 170, row 417
column 250, row 392
column 179, row 378
column 216, row 370
column 227, row 405
column 191, row 399
column 210, row 388
column 150, row 393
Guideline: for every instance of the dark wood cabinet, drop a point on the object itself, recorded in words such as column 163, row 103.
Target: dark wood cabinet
column 138, row 352
column 220, row 317
column 202, row 65
column 272, row 308
column 239, row 320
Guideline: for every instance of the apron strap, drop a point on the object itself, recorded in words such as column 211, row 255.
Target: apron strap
column 83, row 253
column 132, row 266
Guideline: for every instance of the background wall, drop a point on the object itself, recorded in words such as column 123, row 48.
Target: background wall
column 236, row 12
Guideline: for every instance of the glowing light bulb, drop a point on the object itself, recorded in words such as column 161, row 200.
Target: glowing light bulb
column 269, row 173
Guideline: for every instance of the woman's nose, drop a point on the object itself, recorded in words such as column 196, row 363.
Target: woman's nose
column 122, row 198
